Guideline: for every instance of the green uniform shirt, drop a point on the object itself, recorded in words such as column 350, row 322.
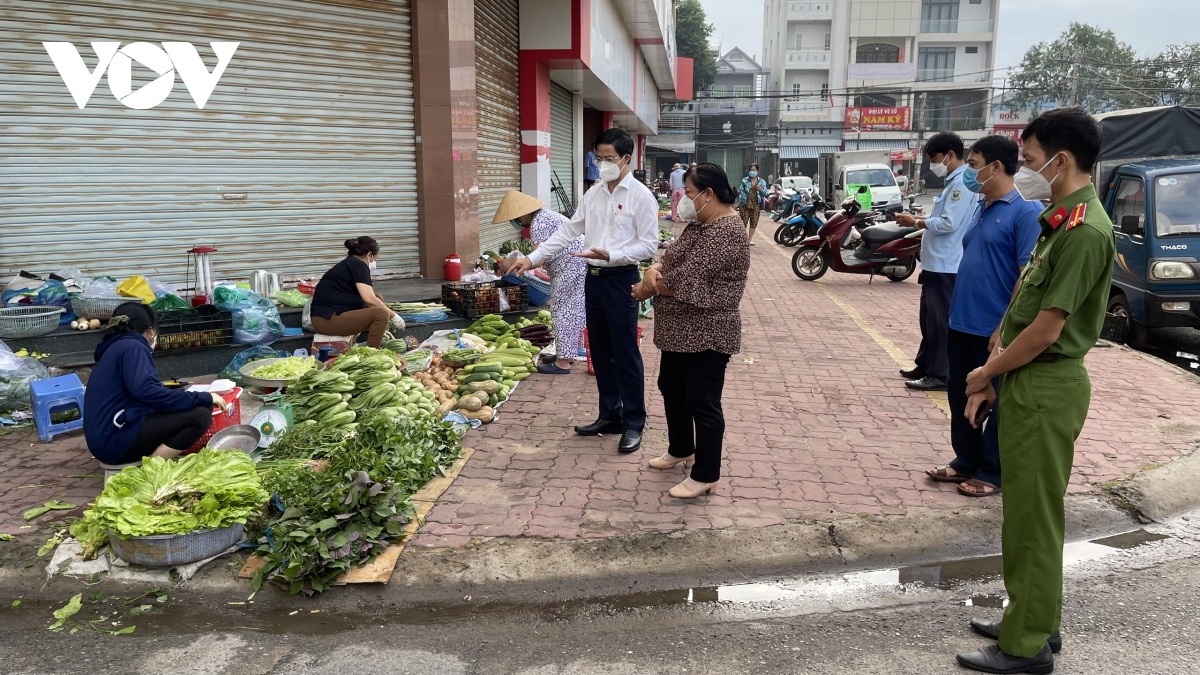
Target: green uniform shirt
column 1070, row 269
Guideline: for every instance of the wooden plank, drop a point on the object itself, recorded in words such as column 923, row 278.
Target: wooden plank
column 380, row 570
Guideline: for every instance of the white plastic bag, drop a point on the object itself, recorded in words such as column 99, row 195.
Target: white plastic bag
column 306, row 317
column 16, row 373
column 101, row 288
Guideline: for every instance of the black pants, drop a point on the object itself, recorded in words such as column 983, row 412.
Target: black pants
column 178, row 431
column 612, row 341
column 976, row 451
column 691, row 384
column 937, row 288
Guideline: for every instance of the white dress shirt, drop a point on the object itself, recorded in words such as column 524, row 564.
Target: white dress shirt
column 623, row 222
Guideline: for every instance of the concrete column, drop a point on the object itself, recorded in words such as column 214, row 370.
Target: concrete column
column 535, row 127
column 447, row 175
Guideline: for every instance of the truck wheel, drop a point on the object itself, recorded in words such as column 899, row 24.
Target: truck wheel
column 809, row 263
column 1136, row 334
column 909, row 268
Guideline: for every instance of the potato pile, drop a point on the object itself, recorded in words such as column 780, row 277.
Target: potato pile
column 439, row 379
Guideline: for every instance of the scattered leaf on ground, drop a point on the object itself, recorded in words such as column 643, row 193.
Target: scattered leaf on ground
column 16, row 603
column 140, row 609
column 67, row 611
column 6, row 537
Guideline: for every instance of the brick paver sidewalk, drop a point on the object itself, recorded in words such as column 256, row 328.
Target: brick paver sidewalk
column 819, row 425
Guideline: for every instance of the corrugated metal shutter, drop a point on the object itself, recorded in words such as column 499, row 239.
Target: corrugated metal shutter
column 312, row 121
column 497, row 104
column 562, row 141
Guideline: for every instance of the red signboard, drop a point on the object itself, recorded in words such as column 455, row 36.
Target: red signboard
column 1013, row 131
column 903, row 155
column 879, row 119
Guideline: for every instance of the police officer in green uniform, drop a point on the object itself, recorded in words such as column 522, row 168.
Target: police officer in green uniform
column 1054, row 318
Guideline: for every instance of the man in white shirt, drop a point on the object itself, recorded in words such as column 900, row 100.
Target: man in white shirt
column 619, row 224
column 677, row 189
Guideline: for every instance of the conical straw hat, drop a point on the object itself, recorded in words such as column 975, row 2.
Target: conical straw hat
column 516, row 204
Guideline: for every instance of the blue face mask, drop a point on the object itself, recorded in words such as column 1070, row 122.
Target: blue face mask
column 971, row 180
column 754, row 174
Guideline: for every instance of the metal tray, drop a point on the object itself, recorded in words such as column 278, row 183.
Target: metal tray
column 172, row 550
column 245, row 371
column 238, row 437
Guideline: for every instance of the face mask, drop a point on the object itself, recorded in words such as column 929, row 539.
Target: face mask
column 371, row 265
column 754, row 174
column 1033, row 185
column 687, row 209
column 154, row 341
column 971, row 179
column 610, row 171
column 941, row 168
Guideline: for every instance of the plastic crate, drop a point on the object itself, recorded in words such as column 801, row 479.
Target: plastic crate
column 475, row 300
column 538, row 290
column 221, row 419
column 205, row 326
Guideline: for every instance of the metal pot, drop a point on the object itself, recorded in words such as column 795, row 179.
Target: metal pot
column 265, row 283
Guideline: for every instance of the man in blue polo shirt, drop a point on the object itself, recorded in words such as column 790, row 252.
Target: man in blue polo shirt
column 996, row 245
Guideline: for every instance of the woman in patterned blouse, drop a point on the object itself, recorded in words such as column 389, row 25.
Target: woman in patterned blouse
column 697, row 325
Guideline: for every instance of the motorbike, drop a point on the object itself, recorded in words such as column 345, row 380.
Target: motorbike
column 774, row 195
column 851, row 242
column 788, row 202
column 803, row 224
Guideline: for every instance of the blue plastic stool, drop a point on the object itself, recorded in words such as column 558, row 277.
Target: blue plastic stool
column 65, row 391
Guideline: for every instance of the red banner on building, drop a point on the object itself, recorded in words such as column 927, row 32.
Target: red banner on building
column 1013, row 131
column 879, row 119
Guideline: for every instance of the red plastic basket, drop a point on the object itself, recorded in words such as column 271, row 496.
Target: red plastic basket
column 221, row 419
column 586, row 348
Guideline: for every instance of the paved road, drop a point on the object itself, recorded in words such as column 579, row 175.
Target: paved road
column 1129, row 612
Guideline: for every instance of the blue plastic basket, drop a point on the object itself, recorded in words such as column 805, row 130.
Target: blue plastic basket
column 538, row 290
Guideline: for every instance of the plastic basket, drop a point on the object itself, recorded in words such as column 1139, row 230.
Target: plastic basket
column 588, row 349
column 171, row 550
column 205, row 326
column 97, row 308
column 539, row 291
column 221, row 419
column 27, row 322
column 472, row 300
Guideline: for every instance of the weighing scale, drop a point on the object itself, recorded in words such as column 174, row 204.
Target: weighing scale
column 273, row 419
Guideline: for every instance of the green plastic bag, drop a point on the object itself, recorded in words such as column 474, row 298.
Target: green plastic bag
column 169, row 302
column 291, row 298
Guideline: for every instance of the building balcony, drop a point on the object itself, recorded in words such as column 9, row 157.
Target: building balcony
column 939, row 75
column 805, row 109
column 810, row 11
column 807, row 59
column 954, row 27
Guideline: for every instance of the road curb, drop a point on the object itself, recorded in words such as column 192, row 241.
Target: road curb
column 1158, row 493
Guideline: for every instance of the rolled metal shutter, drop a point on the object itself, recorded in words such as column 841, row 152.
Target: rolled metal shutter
column 497, row 48
column 312, row 122
column 562, row 142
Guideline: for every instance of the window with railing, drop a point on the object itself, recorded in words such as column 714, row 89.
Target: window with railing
column 939, row 16
column 935, row 64
column 952, row 111
column 743, row 92
column 877, row 53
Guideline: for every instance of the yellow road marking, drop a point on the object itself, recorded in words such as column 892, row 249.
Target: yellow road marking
column 937, row 397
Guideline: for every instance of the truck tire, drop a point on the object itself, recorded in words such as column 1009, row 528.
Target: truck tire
column 1136, row 334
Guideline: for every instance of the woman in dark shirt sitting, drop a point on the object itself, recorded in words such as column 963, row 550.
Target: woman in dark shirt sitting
column 345, row 302
column 128, row 413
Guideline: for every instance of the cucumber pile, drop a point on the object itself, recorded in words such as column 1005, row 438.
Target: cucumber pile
column 355, row 384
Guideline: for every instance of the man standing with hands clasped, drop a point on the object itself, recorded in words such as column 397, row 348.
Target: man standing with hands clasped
column 1053, row 320
column 941, row 250
column 619, row 224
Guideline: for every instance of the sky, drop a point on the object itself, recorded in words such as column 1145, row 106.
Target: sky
column 1148, row 25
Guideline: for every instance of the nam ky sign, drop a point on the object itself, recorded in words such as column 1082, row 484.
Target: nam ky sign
column 879, row 119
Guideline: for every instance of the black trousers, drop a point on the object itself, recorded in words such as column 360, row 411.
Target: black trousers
column 177, row 430
column 691, row 384
column 976, row 451
column 611, row 314
column 937, row 289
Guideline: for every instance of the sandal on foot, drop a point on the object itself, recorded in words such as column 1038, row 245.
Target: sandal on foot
column 977, row 488
column 943, row 474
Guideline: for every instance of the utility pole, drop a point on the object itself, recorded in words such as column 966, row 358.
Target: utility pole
column 1075, row 79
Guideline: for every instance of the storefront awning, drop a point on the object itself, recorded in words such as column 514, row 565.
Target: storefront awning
column 805, row 151
column 674, row 143
column 877, row 144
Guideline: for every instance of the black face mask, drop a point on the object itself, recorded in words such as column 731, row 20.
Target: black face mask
column 516, row 222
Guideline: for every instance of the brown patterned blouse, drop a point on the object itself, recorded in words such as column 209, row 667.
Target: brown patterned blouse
column 706, row 268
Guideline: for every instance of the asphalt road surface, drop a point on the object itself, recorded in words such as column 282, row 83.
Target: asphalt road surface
column 1127, row 611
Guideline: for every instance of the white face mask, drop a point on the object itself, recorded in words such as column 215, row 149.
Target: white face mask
column 154, row 341
column 610, row 171
column 371, row 265
column 687, row 209
column 1033, row 185
column 941, row 168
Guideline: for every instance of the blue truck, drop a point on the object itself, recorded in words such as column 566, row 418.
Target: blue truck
column 1148, row 176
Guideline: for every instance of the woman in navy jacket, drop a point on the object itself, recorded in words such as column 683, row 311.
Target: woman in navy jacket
column 128, row 413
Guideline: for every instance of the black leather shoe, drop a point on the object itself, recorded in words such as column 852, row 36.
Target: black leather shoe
column 599, row 427
column 926, row 383
column 992, row 659
column 914, row 373
column 991, row 629
column 630, row 441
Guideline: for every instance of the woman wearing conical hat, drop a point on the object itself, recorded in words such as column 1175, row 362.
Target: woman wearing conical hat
column 566, row 276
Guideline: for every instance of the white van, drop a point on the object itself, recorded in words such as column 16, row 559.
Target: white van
column 884, row 190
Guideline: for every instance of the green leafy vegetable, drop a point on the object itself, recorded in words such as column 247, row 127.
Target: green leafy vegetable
column 52, row 505
column 6, row 537
column 67, row 611
column 289, row 368
column 207, row 490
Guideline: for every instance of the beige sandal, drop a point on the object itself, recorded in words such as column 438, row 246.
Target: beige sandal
column 690, row 489
column 669, row 461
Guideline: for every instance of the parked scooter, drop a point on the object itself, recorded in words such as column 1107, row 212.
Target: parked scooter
column 885, row 248
column 805, row 223
column 789, row 201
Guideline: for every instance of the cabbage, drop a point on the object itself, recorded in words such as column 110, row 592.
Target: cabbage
column 207, row 490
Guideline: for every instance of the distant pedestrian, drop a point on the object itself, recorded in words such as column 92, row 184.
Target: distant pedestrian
column 619, row 224
column 1054, row 319
column 676, row 186
column 750, row 200
column 996, row 246
column 941, row 250
column 697, row 325
column 591, row 172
